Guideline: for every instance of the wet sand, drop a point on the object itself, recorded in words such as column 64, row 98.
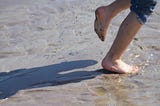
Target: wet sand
column 50, row 56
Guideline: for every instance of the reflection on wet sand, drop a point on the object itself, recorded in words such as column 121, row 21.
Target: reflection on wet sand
column 113, row 91
column 120, row 90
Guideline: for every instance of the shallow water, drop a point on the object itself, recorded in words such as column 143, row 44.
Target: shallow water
column 49, row 51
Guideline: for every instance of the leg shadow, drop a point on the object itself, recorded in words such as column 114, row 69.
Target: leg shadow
column 52, row 75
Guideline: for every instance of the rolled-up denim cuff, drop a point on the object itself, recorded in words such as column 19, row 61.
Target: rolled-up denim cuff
column 143, row 9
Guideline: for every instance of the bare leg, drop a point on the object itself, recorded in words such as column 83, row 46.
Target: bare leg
column 105, row 14
column 127, row 31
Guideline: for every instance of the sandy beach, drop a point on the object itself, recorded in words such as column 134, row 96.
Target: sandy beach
column 51, row 56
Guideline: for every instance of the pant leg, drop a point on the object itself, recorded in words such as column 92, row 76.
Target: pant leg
column 143, row 9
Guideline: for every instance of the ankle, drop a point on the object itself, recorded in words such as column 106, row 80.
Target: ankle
column 106, row 11
column 110, row 11
column 115, row 8
column 113, row 58
column 108, row 62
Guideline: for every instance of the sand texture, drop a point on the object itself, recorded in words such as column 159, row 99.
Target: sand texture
column 51, row 56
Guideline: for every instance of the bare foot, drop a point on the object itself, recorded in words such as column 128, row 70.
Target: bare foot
column 119, row 66
column 103, row 18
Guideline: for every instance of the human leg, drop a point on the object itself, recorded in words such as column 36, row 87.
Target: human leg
column 105, row 14
column 128, row 29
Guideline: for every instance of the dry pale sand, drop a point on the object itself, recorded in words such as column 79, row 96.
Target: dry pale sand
column 50, row 56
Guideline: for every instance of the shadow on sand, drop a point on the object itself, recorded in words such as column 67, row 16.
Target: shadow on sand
column 52, row 75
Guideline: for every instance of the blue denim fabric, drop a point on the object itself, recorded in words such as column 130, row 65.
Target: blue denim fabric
column 143, row 8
